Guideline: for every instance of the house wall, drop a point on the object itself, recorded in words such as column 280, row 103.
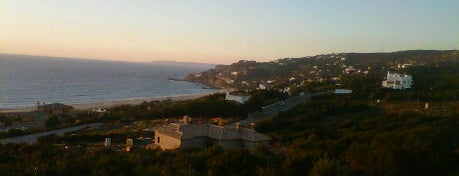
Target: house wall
column 200, row 142
column 251, row 145
column 226, row 144
column 166, row 142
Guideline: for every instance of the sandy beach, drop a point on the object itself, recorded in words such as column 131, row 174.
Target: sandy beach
column 112, row 103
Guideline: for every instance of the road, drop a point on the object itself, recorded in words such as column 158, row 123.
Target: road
column 32, row 138
column 274, row 109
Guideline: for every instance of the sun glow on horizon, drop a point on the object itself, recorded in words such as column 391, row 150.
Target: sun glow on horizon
column 223, row 31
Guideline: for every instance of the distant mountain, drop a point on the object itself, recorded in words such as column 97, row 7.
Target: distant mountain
column 184, row 64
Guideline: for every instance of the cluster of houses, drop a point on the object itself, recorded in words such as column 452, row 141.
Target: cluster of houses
column 188, row 134
column 320, row 72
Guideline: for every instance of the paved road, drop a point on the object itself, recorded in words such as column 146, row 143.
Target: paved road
column 274, row 109
column 31, row 138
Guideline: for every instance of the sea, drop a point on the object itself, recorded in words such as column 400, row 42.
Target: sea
column 24, row 80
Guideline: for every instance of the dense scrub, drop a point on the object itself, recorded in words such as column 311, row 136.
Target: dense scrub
column 326, row 136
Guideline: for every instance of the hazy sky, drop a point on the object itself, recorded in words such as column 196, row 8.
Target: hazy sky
column 219, row 31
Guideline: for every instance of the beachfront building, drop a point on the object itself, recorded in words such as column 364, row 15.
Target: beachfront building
column 55, row 109
column 174, row 135
column 397, row 81
column 237, row 96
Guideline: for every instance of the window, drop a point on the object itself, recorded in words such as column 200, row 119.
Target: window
column 157, row 140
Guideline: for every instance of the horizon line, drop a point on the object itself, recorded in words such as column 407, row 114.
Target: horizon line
column 165, row 60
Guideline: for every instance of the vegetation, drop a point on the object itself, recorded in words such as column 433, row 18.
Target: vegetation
column 326, row 136
column 207, row 107
column 373, row 131
column 52, row 122
column 326, row 69
column 431, row 83
column 381, row 139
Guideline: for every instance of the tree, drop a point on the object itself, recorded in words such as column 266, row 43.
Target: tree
column 52, row 122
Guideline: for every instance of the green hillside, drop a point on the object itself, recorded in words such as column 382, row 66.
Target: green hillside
column 329, row 68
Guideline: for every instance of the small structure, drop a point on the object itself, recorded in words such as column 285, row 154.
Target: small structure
column 237, row 96
column 262, row 86
column 129, row 144
column 285, row 90
column 342, row 91
column 350, row 70
column 108, row 142
column 174, row 135
column 55, row 109
column 397, row 81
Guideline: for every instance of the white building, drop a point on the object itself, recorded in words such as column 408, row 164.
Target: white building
column 342, row 91
column 350, row 69
column 238, row 97
column 262, row 86
column 397, row 81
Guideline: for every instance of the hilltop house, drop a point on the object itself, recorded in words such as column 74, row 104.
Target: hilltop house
column 174, row 135
column 397, row 81
column 237, row 96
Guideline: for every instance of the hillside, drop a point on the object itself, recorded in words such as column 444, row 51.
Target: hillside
column 333, row 135
column 325, row 69
column 329, row 135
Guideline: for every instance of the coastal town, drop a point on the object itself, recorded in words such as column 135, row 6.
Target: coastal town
column 309, row 76
column 291, row 73
column 236, row 81
column 312, row 103
column 229, row 88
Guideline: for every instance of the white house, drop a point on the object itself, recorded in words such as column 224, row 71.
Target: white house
column 350, row 69
column 397, row 81
column 238, row 97
column 262, row 86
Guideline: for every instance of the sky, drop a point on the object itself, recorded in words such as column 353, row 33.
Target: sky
column 223, row 31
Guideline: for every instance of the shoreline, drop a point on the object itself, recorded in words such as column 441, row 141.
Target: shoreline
column 112, row 103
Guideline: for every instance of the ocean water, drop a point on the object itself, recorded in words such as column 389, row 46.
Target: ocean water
column 24, row 80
